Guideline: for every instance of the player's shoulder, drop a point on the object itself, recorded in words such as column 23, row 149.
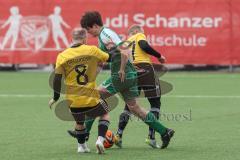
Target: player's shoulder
column 141, row 35
column 137, row 36
column 62, row 56
column 89, row 47
column 107, row 32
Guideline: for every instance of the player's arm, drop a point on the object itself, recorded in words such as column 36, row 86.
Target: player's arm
column 124, row 54
column 143, row 44
column 57, row 79
column 124, row 59
column 102, row 56
column 57, row 86
column 112, row 43
column 57, row 89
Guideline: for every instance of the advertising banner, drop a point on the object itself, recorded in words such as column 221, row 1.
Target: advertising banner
column 184, row 31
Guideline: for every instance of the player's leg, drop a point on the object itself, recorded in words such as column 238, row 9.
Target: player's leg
column 153, row 95
column 155, row 109
column 123, row 121
column 105, row 90
column 101, row 110
column 150, row 86
column 81, row 138
column 88, row 124
column 80, row 131
column 102, row 129
column 129, row 91
column 151, row 121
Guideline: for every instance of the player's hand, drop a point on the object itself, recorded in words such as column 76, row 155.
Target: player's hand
column 121, row 75
column 162, row 59
column 51, row 103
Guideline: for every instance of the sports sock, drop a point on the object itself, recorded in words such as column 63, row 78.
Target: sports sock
column 155, row 109
column 81, row 134
column 151, row 133
column 123, row 121
column 152, row 121
column 88, row 124
column 102, row 127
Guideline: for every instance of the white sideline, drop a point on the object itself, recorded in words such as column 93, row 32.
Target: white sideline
column 165, row 96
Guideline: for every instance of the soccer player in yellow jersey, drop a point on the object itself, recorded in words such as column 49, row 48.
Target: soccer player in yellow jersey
column 142, row 52
column 78, row 66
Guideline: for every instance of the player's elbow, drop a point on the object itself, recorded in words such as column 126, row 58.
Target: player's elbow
column 143, row 45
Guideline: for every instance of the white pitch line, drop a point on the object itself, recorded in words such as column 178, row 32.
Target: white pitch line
column 201, row 96
column 24, row 95
column 164, row 96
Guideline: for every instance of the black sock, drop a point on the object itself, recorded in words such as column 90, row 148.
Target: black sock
column 81, row 135
column 102, row 127
column 123, row 121
column 155, row 109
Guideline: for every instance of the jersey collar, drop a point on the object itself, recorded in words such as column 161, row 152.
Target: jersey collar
column 76, row 45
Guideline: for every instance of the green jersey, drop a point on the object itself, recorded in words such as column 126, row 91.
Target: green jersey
column 108, row 42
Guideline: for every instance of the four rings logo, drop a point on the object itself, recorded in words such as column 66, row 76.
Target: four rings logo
column 35, row 31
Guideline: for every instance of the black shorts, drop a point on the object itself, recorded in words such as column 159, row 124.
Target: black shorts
column 147, row 80
column 81, row 114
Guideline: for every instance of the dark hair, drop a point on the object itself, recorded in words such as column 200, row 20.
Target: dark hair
column 90, row 18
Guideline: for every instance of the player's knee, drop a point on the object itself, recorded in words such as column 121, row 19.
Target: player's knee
column 103, row 93
column 105, row 117
column 80, row 125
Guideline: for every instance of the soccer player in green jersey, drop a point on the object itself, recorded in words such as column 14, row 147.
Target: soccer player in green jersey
column 123, row 78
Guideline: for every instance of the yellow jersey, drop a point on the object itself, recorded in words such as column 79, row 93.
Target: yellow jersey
column 139, row 56
column 78, row 65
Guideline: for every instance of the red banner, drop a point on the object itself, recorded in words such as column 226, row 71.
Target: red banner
column 184, row 31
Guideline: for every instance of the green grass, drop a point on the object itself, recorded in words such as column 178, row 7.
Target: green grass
column 31, row 131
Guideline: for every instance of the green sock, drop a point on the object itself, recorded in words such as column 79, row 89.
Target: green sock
column 88, row 124
column 152, row 121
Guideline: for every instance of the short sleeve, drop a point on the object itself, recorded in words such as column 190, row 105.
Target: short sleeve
column 140, row 36
column 109, row 38
column 103, row 56
column 115, row 38
column 59, row 68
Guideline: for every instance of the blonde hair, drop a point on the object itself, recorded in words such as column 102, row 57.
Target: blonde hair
column 134, row 28
column 79, row 34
